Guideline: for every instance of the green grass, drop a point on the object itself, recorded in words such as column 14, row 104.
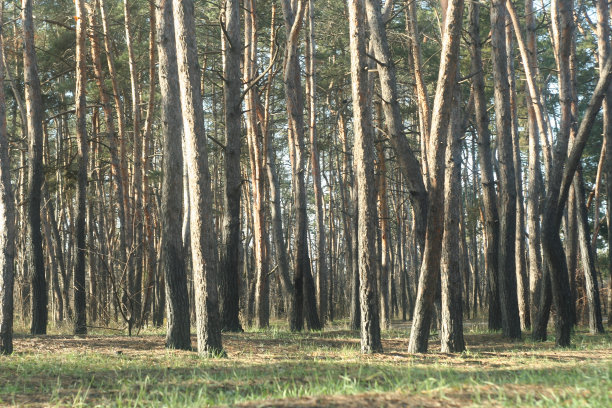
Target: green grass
column 270, row 365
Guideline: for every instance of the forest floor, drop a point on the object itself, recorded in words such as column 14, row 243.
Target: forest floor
column 276, row 368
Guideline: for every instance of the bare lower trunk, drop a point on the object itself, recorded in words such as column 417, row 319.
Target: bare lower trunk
column 230, row 250
column 36, row 175
column 172, row 255
column 203, row 240
column 451, row 331
column 7, row 223
column 364, row 175
column 430, row 267
column 489, row 197
column 80, row 311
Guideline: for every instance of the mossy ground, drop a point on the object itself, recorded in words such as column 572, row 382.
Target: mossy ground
column 278, row 368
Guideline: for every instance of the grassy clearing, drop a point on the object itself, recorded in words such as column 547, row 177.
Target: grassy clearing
column 279, row 368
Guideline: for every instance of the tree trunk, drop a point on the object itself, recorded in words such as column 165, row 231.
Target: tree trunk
column 36, row 174
column 7, row 222
column 587, row 256
column 364, row 169
column 503, row 121
column 322, row 250
column 172, row 255
column 535, row 182
column 80, row 309
column 603, row 44
column 522, row 284
column 451, row 330
column 203, row 240
column 436, row 150
column 564, row 168
column 230, row 239
column 489, row 197
column 304, row 286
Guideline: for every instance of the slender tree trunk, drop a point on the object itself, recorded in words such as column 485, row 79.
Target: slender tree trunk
column 230, row 251
column 587, row 256
column 364, row 166
column 322, row 267
column 489, row 197
column 7, row 222
column 36, row 175
column 173, row 264
column 451, row 330
column 603, row 45
column 203, row 240
column 256, row 159
column 535, row 182
column 522, row 284
column 80, row 309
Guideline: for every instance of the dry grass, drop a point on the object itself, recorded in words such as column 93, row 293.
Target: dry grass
column 278, row 368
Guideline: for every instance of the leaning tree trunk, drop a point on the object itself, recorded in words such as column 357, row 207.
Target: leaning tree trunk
column 522, row 285
column 489, row 196
column 430, row 267
column 203, row 239
column 7, row 223
column 587, row 256
column 36, row 174
column 230, row 250
column 80, row 310
column 172, row 254
column 364, row 175
column 603, row 44
column 564, row 168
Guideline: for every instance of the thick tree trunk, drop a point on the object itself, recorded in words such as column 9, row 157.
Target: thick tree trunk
column 489, row 197
column 36, row 175
column 293, row 12
column 451, row 330
column 203, row 239
column 172, row 255
column 80, row 310
column 7, row 223
column 230, row 239
column 364, row 172
column 503, row 121
column 430, row 267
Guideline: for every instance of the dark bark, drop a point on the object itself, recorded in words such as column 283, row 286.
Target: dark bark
column 507, row 206
column 7, row 223
column 172, row 254
column 203, row 240
column 364, row 176
column 35, row 173
column 230, row 239
column 489, row 196
column 80, row 310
